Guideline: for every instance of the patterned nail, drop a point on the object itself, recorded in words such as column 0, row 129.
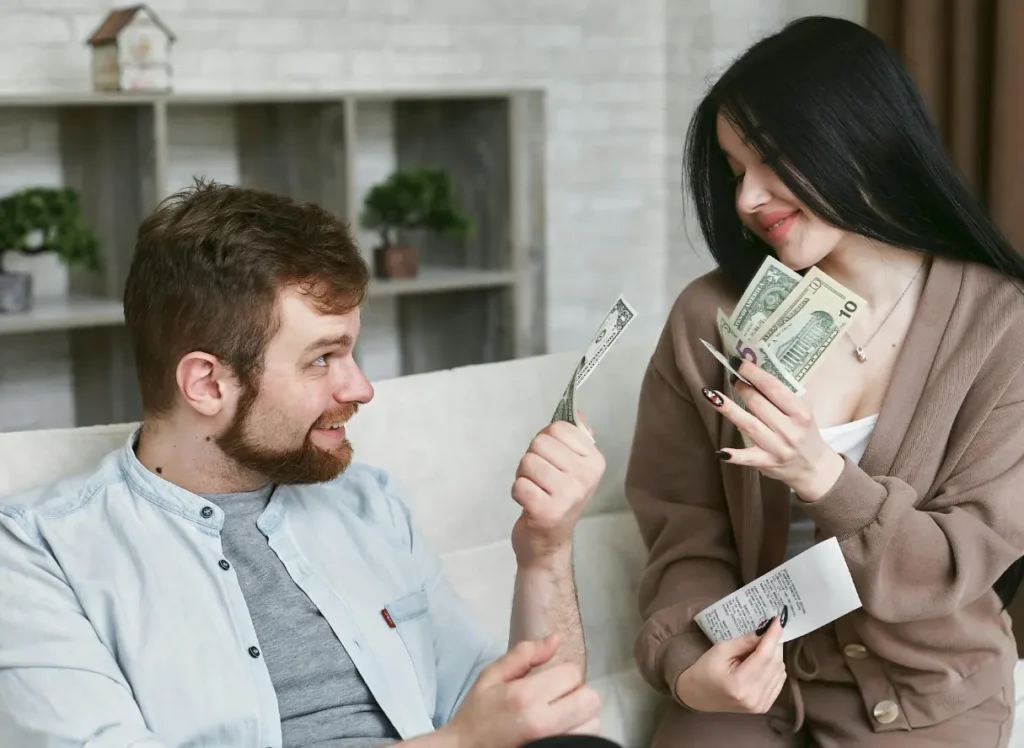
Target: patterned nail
column 763, row 626
column 713, row 397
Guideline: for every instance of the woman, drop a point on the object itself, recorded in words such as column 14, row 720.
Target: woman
column 815, row 148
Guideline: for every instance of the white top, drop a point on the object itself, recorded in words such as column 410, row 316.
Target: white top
column 850, row 439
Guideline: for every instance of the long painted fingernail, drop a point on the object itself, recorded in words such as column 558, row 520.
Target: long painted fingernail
column 764, row 626
column 784, row 616
column 713, row 397
column 735, row 363
column 723, row 455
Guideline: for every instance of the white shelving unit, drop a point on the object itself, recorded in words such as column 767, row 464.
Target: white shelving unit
column 474, row 301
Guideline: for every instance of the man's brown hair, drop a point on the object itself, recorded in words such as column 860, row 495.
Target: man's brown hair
column 208, row 266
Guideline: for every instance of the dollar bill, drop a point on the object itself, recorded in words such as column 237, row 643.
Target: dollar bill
column 734, row 344
column 566, row 409
column 813, row 316
column 763, row 295
column 771, row 364
column 724, row 361
column 740, row 347
column 765, row 361
column 801, row 327
column 615, row 322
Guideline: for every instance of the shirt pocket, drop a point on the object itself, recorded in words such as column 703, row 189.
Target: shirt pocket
column 411, row 617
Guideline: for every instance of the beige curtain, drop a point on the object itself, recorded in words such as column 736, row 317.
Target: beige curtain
column 967, row 58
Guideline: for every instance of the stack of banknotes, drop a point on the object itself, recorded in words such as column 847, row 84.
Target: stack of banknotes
column 785, row 323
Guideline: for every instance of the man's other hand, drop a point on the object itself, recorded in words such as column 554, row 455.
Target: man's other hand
column 511, row 704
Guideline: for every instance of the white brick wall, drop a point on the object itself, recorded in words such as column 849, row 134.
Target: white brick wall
column 621, row 81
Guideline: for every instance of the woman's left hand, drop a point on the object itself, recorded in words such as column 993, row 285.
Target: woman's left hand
column 787, row 444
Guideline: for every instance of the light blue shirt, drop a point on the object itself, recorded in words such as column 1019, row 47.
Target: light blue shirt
column 120, row 627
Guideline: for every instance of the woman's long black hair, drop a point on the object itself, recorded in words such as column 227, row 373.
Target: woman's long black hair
column 833, row 111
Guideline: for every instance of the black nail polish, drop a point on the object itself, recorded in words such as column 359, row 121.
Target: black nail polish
column 735, row 363
column 784, row 616
column 764, row 626
column 713, row 397
column 723, row 455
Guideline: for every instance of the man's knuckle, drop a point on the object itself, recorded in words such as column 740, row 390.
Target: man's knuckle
column 557, row 430
column 543, row 440
column 520, row 487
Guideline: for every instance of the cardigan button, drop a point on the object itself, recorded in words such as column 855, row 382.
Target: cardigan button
column 855, row 651
column 886, row 711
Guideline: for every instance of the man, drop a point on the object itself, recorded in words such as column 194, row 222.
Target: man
column 230, row 577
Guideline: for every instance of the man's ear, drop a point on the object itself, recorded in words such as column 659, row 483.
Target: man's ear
column 206, row 385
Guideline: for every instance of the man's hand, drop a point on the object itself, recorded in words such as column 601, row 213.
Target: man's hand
column 745, row 674
column 509, row 705
column 556, row 478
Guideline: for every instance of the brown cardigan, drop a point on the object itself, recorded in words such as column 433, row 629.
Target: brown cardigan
column 927, row 523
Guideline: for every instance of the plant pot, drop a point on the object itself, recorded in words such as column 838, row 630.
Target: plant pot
column 15, row 292
column 49, row 273
column 396, row 261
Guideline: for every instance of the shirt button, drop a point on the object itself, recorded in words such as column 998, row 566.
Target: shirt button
column 224, row 564
column 206, row 512
column 254, row 652
column 886, row 711
column 855, row 651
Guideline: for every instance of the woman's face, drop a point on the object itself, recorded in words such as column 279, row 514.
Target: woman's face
column 767, row 207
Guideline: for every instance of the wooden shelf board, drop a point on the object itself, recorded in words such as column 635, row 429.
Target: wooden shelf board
column 435, row 280
column 63, row 314
column 203, row 98
column 70, row 313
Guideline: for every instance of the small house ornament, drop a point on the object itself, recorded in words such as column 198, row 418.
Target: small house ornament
column 131, row 51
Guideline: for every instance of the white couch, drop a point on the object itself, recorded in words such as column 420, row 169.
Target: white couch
column 454, row 439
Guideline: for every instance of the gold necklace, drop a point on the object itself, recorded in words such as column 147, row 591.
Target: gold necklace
column 862, row 356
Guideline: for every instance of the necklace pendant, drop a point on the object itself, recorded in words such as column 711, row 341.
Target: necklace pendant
column 861, row 355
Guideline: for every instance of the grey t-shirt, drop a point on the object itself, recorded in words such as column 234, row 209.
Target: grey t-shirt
column 322, row 698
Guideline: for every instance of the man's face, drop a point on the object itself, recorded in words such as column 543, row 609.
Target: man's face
column 292, row 429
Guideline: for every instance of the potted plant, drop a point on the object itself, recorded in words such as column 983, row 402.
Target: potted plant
column 37, row 220
column 409, row 199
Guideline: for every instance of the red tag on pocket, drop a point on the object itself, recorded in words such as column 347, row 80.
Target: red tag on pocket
column 387, row 618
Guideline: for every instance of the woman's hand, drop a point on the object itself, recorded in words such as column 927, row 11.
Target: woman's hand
column 787, row 444
column 745, row 674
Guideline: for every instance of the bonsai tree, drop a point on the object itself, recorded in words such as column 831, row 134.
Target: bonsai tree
column 48, row 219
column 420, row 198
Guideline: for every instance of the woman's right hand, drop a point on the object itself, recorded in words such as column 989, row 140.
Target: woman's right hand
column 745, row 674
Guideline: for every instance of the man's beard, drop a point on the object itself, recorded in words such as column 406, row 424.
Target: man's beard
column 304, row 464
